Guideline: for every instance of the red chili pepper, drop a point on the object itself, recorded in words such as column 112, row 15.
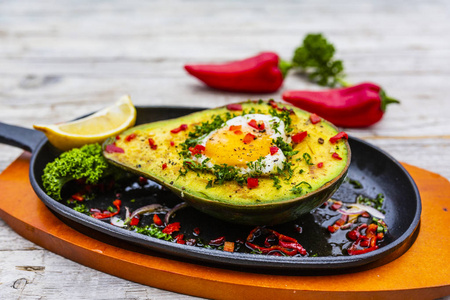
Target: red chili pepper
column 157, row 220
column 320, row 165
column 182, row 127
column 273, row 150
column 112, row 148
column 299, row 137
column 130, row 137
column 172, row 143
column 234, row 106
column 248, row 138
column 164, row 166
column 96, row 213
column 252, row 183
column 171, row 228
column 337, row 137
column 257, row 74
column 196, row 231
column 360, row 105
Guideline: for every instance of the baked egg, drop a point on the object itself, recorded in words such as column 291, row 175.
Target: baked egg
column 246, row 143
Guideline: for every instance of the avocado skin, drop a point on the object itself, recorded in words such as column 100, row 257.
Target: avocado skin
column 281, row 206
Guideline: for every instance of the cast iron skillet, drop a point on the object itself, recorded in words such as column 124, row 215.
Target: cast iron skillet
column 375, row 169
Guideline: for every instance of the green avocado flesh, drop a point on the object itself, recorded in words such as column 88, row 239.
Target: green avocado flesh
column 155, row 152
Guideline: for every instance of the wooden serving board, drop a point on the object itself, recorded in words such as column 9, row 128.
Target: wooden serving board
column 423, row 272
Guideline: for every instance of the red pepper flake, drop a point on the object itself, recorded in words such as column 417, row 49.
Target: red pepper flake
column 143, row 180
column 171, row 228
column 134, row 221
column 77, row 197
column 299, row 137
column 152, row 144
column 130, row 137
column 196, row 231
column 157, row 220
column 320, row 165
column 164, row 166
column 315, row 118
column 252, row 182
column 179, row 239
column 172, row 143
column 97, row 214
column 217, row 242
column 198, row 149
column 112, row 148
column 248, row 138
column 182, row 127
column 273, row 150
column 234, row 106
column 336, row 156
column 117, row 137
column 337, row 137
column 235, row 128
column 273, row 103
column 257, row 125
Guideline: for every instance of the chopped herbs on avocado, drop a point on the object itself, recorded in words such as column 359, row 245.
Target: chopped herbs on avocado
column 298, row 189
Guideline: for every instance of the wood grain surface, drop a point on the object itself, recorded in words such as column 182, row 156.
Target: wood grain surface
column 62, row 59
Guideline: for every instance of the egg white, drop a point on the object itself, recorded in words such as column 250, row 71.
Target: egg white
column 274, row 127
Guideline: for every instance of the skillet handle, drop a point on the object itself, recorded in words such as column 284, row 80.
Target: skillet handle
column 27, row 139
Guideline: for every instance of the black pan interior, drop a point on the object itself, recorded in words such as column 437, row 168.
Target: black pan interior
column 375, row 169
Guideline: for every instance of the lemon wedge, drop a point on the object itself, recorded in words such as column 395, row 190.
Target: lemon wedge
column 91, row 129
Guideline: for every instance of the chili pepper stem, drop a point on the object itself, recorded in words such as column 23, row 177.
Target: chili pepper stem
column 284, row 66
column 385, row 100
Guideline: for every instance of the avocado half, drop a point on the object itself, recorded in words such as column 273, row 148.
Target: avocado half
column 155, row 150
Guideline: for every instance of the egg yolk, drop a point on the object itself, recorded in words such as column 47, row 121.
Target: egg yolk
column 237, row 147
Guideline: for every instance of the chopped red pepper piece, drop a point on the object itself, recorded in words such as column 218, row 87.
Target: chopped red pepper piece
column 179, row 239
column 254, row 124
column 273, row 103
column 171, row 228
column 77, row 197
column 320, row 165
column 217, row 242
column 252, row 183
column 315, row 118
column 182, row 127
column 285, row 244
column 249, row 138
column 234, row 106
column 337, row 137
column 235, row 127
column 134, row 221
column 273, row 150
column 299, row 137
column 336, row 205
column 157, row 220
column 112, row 148
column 152, row 144
column 336, row 156
column 172, row 143
column 164, row 166
column 96, row 213
column 130, row 137
column 198, row 149
column 117, row 137
column 196, row 231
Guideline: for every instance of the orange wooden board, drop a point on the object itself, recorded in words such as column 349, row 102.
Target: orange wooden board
column 423, row 272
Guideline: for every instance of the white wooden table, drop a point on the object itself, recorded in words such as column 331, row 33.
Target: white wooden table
column 62, row 59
